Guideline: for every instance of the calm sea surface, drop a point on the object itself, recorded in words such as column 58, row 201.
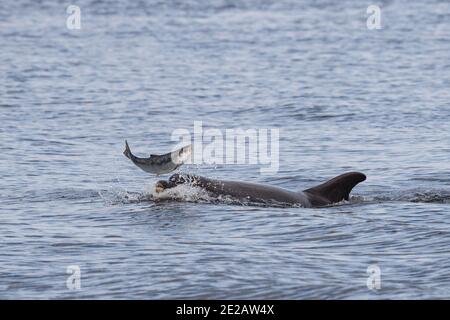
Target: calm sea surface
column 344, row 98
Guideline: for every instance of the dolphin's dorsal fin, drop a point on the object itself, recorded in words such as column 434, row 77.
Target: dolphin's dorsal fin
column 335, row 190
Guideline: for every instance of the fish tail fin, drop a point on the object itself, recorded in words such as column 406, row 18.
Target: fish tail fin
column 127, row 151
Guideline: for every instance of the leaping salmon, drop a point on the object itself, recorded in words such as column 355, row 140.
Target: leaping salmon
column 160, row 164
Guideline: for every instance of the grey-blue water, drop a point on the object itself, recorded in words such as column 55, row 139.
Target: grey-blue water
column 344, row 97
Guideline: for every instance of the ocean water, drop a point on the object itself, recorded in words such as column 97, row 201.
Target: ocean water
column 345, row 98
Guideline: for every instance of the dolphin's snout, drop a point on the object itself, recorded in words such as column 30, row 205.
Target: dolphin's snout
column 163, row 185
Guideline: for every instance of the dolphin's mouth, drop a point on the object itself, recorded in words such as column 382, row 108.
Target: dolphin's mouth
column 163, row 185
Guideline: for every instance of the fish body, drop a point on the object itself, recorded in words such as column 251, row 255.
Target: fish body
column 160, row 164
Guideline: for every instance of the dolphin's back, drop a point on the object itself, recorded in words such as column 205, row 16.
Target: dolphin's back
column 252, row 192
column 256, row 192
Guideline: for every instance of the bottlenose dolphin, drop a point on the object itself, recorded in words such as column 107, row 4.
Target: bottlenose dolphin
column 332, row 191
column 159, row 164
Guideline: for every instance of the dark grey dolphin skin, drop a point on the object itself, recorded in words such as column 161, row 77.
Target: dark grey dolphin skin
column 332, row 191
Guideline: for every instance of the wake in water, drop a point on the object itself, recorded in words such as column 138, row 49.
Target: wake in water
column 417, row 195
column 184, row 193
